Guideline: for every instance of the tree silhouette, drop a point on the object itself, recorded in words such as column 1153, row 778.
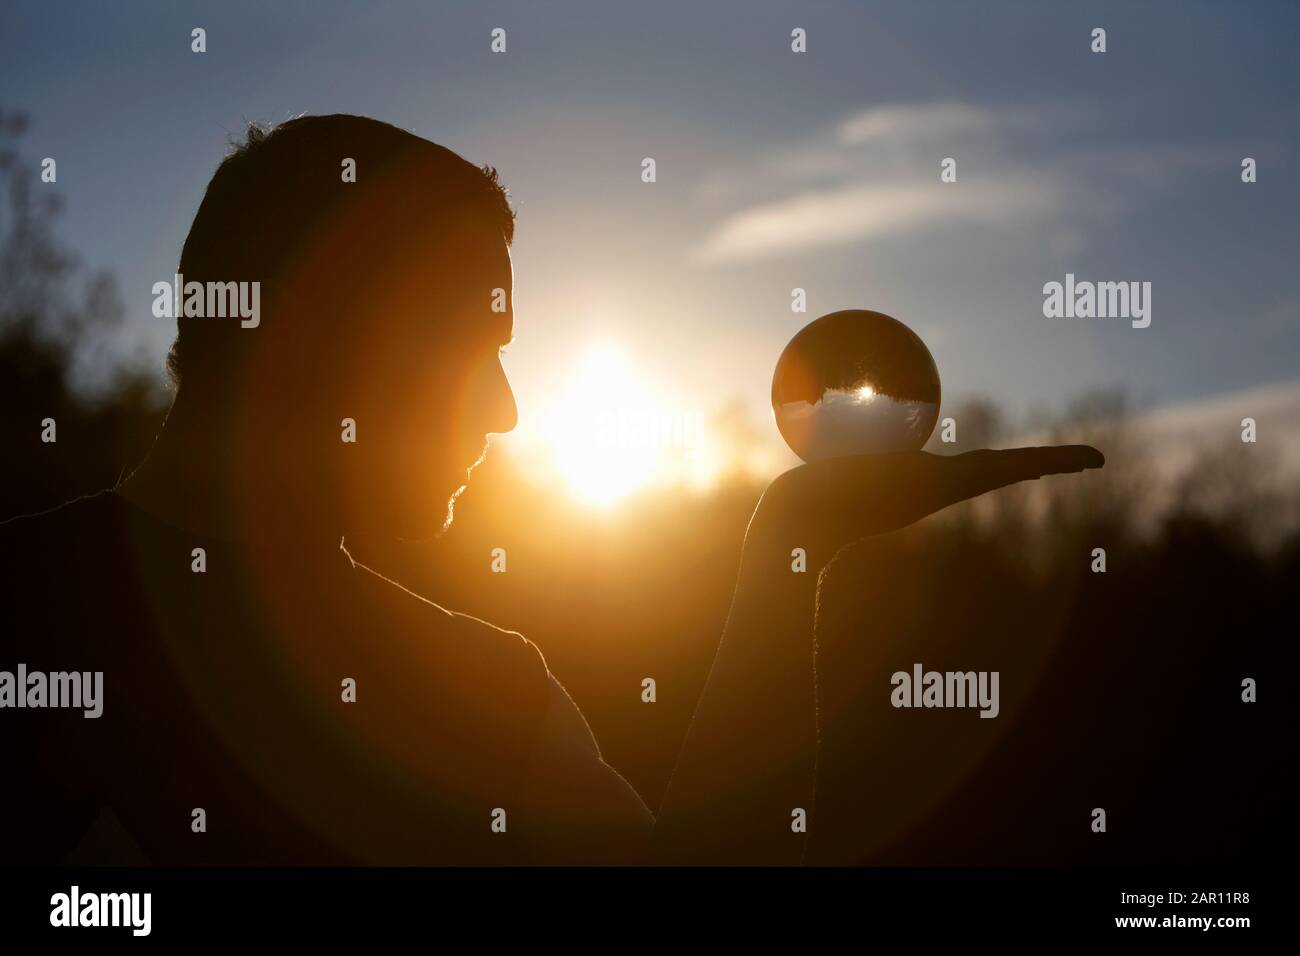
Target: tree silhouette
column 56, row 317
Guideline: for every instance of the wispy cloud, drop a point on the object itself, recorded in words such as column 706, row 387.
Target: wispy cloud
column 1177, row 433
column 864, row 211
column 874, row 174
column 1176, row 437
column 913, row 124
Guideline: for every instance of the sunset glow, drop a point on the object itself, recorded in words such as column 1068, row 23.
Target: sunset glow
column 610, row 431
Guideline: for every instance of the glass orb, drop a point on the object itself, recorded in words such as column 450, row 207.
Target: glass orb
column 855, row 383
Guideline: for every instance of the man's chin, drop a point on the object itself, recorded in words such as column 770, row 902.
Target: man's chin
column 430, row 524
column 451, row 506
column 433, row 526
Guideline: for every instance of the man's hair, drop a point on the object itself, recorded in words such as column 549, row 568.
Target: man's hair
column 282, row 187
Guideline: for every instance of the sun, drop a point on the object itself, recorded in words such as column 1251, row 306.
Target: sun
column 610, row 430
column 599, row 432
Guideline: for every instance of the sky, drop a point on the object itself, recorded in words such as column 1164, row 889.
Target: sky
column 775, row 170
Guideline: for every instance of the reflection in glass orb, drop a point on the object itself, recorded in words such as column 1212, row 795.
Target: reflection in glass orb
column 855, row 383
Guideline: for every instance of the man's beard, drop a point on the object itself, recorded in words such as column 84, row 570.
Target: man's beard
column 461, row 485
column 451, row 513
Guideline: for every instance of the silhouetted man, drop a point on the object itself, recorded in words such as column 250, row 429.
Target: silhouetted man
column 266, row 698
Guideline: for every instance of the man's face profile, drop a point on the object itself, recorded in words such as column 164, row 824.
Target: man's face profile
column 428, row 379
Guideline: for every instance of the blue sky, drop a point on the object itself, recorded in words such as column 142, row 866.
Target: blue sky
column 775, row 170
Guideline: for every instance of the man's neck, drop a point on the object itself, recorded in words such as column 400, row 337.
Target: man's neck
column 194, row 481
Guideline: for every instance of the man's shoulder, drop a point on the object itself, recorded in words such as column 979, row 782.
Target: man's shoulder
column 398, row 597
column 43, row 524
column 44, row 544
column 60, row 576
column 464, row 643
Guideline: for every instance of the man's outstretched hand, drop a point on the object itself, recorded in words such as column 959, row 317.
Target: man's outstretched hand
column 825, row 505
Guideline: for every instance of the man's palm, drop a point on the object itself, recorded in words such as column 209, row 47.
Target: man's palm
column 830, row 503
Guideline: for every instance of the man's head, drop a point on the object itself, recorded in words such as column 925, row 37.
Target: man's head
column 385, row 298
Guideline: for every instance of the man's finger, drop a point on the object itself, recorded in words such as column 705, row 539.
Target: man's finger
column 979, row 471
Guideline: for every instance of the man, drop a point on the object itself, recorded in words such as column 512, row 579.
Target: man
column 268, row 698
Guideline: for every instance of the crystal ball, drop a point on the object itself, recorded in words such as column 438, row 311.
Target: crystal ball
column 855, row 383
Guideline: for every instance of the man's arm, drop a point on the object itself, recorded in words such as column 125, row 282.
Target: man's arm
column 578, row 808
column 44, row 812
column 746, row 770
column 747, row 762
column 45, row 805
column 750, row 763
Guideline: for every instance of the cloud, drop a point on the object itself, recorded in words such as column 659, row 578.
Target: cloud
column 883, row 167
column 1177, row 434
column 866, row 211
column 927, row 121
column 874, row 175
